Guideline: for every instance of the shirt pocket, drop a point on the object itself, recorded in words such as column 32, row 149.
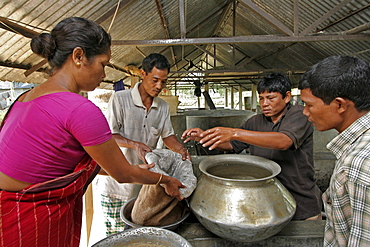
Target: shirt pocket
column 153, row 137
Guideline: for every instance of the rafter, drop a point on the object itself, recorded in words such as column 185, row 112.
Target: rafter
column 358, row 29
column 110, row 12
column 345, row 17
column 182, row 19
column 272, row 20
column 324, row 17
column 165, row 27
column 14, row 27
column 210, row 54
column 241, row 39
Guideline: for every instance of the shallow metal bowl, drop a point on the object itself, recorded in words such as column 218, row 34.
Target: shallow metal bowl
column 126, row 210
column 144, row 236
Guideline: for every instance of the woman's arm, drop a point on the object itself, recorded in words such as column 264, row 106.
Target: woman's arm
column 109, row 156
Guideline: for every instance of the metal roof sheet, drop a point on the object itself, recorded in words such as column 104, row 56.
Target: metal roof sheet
column 259, row 24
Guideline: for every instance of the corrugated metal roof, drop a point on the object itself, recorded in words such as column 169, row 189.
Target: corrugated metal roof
column 264, row 21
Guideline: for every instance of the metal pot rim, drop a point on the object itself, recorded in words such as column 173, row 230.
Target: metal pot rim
column 172, row 226
column 145, row 233
column 213, row 160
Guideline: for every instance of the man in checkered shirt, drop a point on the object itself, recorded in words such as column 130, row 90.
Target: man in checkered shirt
column 336, row 92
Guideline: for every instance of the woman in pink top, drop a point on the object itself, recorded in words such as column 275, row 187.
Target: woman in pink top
column 52, row 139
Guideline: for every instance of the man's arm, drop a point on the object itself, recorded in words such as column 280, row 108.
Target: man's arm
column 194, row 134
column 140, row 148
column 218, row 137
column 173, row 144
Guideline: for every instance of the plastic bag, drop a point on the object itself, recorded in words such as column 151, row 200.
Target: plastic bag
column 170, row 163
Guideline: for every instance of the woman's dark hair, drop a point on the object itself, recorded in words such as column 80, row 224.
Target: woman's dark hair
column 155, row 60
column 68, row 34
column 275, row 82
column 339, row 76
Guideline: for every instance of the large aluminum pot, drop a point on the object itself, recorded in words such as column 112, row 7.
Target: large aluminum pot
column 144, row 237
column 239, row 198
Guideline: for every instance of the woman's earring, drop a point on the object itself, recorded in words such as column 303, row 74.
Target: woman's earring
column 78, row 63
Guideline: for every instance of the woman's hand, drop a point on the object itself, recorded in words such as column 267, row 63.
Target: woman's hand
column 172, row 188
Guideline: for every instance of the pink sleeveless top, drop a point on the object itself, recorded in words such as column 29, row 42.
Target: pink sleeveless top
column 43, row 138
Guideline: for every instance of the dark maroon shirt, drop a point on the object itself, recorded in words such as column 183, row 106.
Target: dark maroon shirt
column 297, row 169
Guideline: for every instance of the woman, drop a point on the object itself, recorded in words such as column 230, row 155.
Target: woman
column 52, row 138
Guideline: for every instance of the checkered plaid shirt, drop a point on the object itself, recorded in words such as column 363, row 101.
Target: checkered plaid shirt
column 347, row 200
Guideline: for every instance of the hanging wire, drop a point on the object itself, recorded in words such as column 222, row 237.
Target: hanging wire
column 198, row 144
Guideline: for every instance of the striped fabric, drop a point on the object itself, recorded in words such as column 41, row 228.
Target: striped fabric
column 46, row 214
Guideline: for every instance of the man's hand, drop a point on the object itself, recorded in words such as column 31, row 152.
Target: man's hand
column 216, row 136
column 192, row 134
column 141, row 150
column 184, row 153
column 146, row 166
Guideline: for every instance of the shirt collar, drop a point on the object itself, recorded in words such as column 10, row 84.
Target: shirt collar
column 135, row 94
column 341, row 142
column 288, row 106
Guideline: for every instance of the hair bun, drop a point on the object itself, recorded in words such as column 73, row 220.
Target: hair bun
column 43, row 45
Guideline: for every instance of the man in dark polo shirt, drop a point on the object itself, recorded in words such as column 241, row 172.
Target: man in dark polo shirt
column 282, row 134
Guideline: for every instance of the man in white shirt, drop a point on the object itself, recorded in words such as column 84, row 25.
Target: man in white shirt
column 138, row 119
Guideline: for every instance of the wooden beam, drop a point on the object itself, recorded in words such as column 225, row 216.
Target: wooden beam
column 224, row 16
column 165, row 27
column 241, row 39
column 235, row 72
column 272, row 20
column 296, row 17
column 140, row 51
column 182, row 18
column 358, row 29
column 14, row 65
column 12, row 26
column 110, row 12
column 324, row 17
column 36, row 67
column 210, row 54
column 352, row 13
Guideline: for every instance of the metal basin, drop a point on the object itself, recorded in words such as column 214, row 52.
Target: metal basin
column 239, row 198
column 126, row 210
column 145, row 236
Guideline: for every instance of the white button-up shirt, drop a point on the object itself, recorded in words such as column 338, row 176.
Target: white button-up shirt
column 128, row 117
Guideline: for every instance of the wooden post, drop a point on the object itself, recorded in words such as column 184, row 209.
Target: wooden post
column 240, row 97
column 254, row 98
column 89, row 207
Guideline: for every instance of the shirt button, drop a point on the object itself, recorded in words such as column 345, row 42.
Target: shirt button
column 144, row 126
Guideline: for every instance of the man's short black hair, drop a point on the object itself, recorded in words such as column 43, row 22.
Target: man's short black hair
column 339, row 76
column 155, row 60
column 275, row 82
